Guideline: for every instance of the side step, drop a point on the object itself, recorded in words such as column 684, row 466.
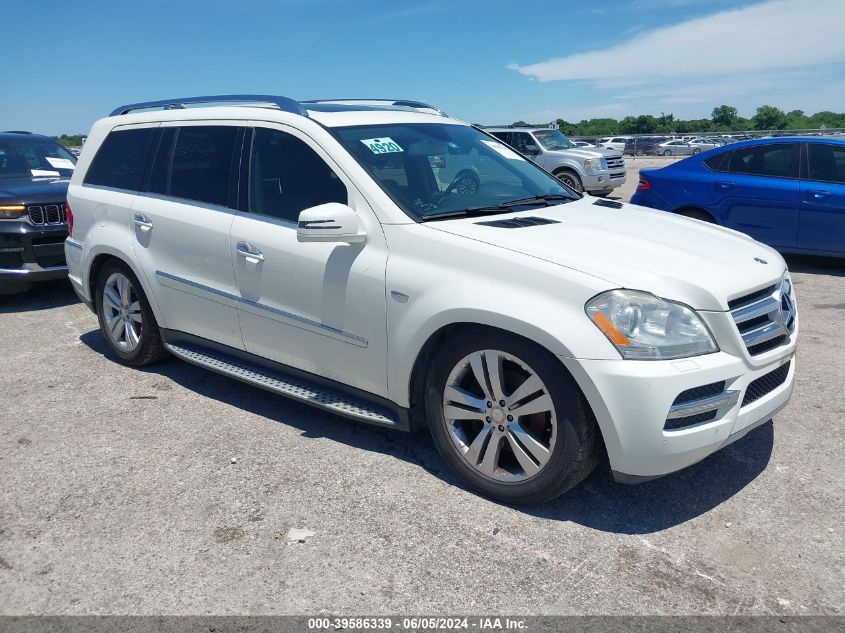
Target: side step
column 326, row 398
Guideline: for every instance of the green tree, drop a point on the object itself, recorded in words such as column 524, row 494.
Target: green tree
column 769, row 118
column 724, row 117
column 665, row 122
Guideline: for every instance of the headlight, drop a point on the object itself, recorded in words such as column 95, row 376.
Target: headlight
column 645, row 327
column 595, row 163
column 11, row 211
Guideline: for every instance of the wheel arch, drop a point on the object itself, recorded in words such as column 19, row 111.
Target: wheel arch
column 692, row 211
column 99, row 258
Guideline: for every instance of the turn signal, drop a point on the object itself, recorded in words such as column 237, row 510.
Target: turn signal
column 69, row 215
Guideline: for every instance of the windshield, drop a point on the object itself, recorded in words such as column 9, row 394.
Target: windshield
column 553, row 140
column 34, row 156
column 434, row 170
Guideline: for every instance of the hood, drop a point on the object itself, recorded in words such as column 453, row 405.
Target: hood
column 676, row 258
column 33, row 189
column 583, row 152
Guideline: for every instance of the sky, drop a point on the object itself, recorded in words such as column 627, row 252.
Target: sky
column 65, row 64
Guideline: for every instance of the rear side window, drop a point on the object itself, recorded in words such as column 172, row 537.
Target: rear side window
column 121, row 162
column 827, row 162
column 288, row 176
column 502, row 136
column 202, row 161
column 718, row 162
column 778, row 160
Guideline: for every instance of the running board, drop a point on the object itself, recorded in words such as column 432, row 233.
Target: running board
column 323, row 397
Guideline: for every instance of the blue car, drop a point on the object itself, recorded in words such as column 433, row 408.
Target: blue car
column 787, row 192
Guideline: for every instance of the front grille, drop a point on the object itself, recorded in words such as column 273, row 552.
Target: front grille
column 613, row 163
column 766, row 384
column 43, row 214
column 617, row 176
column 765, row 318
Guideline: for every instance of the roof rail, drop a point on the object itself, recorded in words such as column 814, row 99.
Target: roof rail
column 401, row 103
column 15, row 132
column 285, row 104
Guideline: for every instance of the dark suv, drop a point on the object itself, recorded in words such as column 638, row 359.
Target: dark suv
column 34, row 175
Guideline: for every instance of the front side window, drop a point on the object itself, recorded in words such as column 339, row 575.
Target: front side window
column 287, row 176
column 553, row 140
column 436, row 170
column 520, row 141
column 777, row 160
column 827, row 162
column 121, row 162
column 202, row 161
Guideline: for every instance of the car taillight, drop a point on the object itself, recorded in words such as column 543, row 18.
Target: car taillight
column 643, row 185
column 69, row 215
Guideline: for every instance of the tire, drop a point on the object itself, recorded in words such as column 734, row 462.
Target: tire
column 600, row 194
column 135, row 338
column 697, row 150
column 562, row 440
column 570, row 179
column 696, row 214
column 667, row 152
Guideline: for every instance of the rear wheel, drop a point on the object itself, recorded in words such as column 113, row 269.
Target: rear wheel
column 667, row 152
column 126, row 319
column 508, row 419
column 570, row 179
column 697, row 150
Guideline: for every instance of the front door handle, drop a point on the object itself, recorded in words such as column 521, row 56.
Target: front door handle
column 724, row 186
column 142, row 222
column 819, row 195
column 249, row 252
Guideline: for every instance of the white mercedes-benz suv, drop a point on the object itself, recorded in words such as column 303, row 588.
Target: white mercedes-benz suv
column 316, row 250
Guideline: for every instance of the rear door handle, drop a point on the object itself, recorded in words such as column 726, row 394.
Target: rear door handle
column 819, row 195
column 249, row 252
column 724, row 186
column 142, row 222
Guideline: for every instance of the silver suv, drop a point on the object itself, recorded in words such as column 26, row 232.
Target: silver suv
column 597, row 171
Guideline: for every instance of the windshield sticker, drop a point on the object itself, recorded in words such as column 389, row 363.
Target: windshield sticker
column 507, row 152
column 44, row 172
column 383, row 145
column 60, row 163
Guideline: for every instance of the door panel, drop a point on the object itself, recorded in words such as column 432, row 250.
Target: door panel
column 183, row 244
column 759, row 195
column 319, row 307
column 822, row 226
column 187, row 261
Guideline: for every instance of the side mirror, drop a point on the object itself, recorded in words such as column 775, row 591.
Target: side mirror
column 531, row 150
column 330, row 222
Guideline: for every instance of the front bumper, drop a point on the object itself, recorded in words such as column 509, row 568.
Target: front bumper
column 632, row 400
column 31, row 253
column 604, row 180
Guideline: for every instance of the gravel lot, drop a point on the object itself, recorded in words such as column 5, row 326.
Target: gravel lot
column 172, row 490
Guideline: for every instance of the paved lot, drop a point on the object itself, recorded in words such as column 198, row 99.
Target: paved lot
column 172, row 490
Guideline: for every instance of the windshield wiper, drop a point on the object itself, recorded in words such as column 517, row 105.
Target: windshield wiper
column 498, row 208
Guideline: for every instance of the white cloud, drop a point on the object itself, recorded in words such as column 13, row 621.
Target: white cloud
column 775, row 34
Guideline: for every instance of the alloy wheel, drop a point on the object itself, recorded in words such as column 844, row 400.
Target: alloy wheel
column 122, row 312
column 500, row 416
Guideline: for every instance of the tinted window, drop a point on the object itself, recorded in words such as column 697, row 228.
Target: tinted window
column 121, row 161
column 827, row 162
column 779, row 160
column 160, row 173
column 502, row 136
column 521, row 140
column 718, row 162
column 202, row 160
column 287, row 176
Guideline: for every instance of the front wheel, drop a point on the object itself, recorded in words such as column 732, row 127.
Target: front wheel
column 126, row 319
column 570, row 179
column 508, row 419
column 697, row 150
